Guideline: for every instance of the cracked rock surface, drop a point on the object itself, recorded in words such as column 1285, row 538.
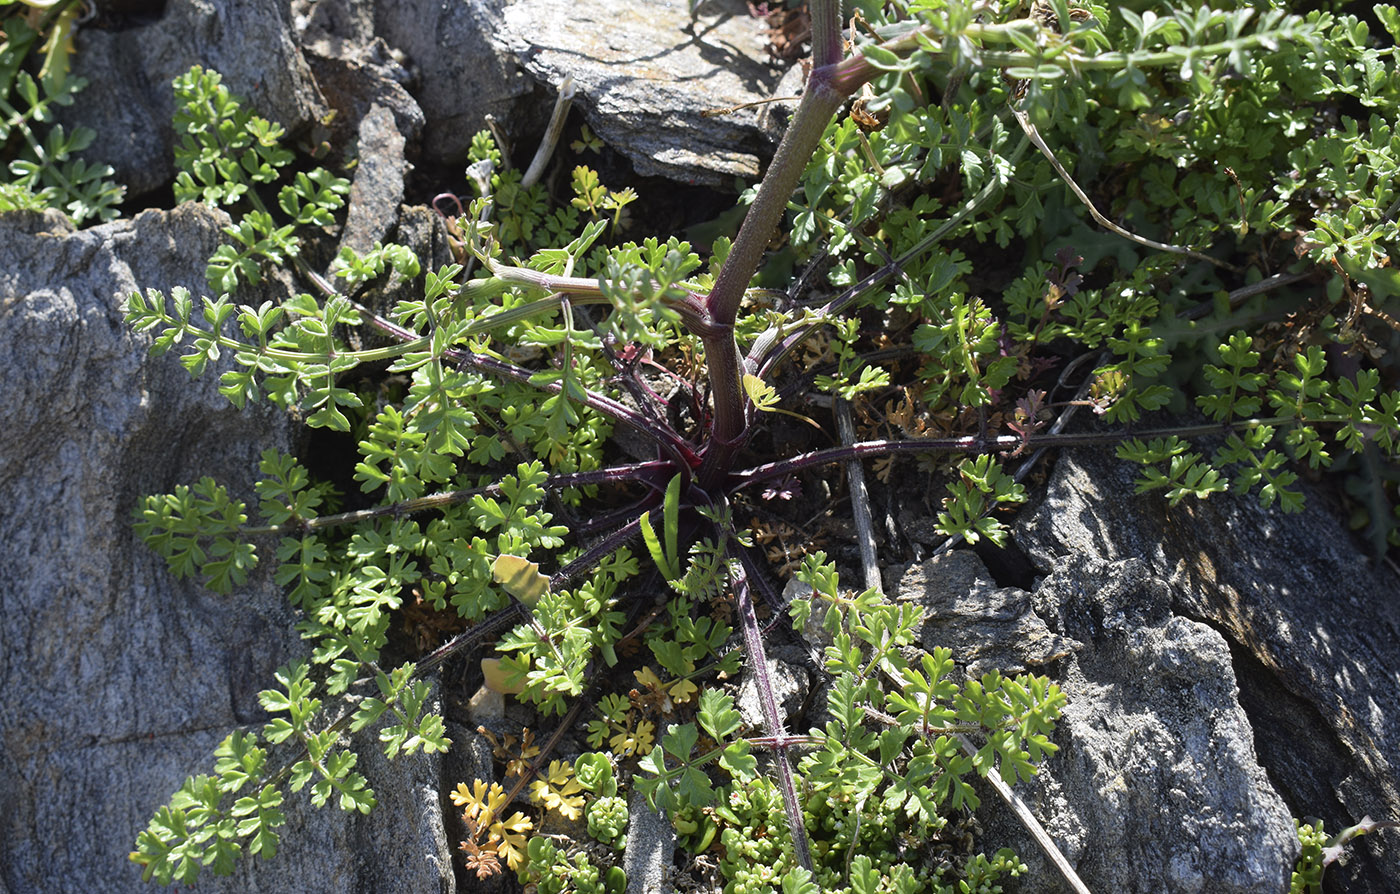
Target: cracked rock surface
column 1157, row 786
column 1312, row 628
column 120, row 681
column 987, row 627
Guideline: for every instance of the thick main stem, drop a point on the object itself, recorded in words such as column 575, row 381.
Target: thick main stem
column 826, row 32
column 819, row 103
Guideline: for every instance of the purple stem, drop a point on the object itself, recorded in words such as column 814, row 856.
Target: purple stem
column 668, row 440
column 770, row 595
column 774, row 354
column 477, row 633
column 826, row 32
column 610, row 475
column 595, row 554
column 777, row 736
column 823, row 97
column 978, row 444
column 612, row 520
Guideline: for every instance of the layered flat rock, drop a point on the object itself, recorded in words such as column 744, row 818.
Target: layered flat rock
column 645, row 74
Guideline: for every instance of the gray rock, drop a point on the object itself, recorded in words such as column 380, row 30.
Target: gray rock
column 419, row 228
column 987, row 627
column 651, row 844
column 377, row 190
column 129, row 101
column 645, row 73
column 454, row 71
column 364, row 77
column 120, row 681
column 1315, row 631
column 401, row 845
column 1156, row 787
column 338, row 28
column 790, row 686
column 460, row 75
column 379, row 125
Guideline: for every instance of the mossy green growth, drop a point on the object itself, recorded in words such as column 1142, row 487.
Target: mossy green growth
column 1307, row 876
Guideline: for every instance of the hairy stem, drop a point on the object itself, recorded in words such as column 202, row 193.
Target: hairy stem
column 664, row 437
column 856, row 70
column 610, row 475
column 602, row 404
column 595, row 554
column 690, row 307
column 998, row 444
column 777, row 736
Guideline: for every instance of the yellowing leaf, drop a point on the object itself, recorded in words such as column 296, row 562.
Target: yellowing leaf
column 765, row 399
column 496, row 678
column 462, row 795
column 559, row 791
column 683, row 690
column 521, row 578
column 638, row 742
column 759, row 391
column 512, row 842
column 480, row 802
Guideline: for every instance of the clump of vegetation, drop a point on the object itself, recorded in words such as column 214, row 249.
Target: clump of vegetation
column 1320, row 850
column 504, row 504
column 42, row 167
